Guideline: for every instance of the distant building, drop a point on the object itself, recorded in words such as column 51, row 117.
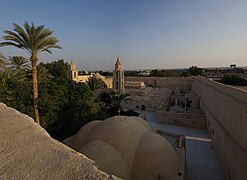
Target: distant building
column 84, row 76
column 144, row 73
column 233, row 66
column 134, row 85
column 118, row 77
column 117, row 82
column 75, row 76
column 73, row 72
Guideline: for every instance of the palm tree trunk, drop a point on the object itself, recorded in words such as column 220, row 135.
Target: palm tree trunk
column 34, row 60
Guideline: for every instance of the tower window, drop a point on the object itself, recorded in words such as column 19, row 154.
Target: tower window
column 74, row 74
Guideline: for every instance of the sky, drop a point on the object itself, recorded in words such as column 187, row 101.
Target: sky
column 147, row 34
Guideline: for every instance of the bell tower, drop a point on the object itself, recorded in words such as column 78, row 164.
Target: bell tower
column 118, row 77
column 73, row 71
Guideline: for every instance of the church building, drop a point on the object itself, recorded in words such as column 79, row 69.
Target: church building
column 77, row 76
column 118, row 77
column 73, row 73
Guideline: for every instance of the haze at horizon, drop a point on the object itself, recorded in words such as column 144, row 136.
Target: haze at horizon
column 147, row 34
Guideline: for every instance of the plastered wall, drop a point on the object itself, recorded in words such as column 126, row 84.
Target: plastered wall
column 225, row 108
column 168, row 82
column 194, row 120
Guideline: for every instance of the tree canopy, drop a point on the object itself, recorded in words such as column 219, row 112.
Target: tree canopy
column 64, row 105
column 94, row 83
column 233, row 79
column 58, row 69
column 19, row 62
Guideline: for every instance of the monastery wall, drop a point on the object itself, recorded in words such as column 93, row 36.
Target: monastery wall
column 194, row 120
column 225, row 108
column 168, row 82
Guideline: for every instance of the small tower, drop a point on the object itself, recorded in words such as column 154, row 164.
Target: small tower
column 73, row 71
column 118, row 77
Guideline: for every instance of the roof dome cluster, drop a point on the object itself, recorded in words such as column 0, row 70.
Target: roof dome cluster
column 127, row 147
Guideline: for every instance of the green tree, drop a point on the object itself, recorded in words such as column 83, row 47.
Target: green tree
column 43, row 73
column 32, row 39
column 116, row 99
column 106, row 73
column 17, row 94
column 19, row 62
column 13, row 74
column 195, row 71
column 64, row 106
column 154, row 72
column 3, row 62
column 94, row 83
column 232, row 79
column 105, row 97
column 58, row 69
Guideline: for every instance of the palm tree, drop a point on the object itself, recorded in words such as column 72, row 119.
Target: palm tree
column 3, row 62
column 94, row 83
column 117, row 98
column 19, row 62
column 32, row 39
column 43, row 73
column 13, row 74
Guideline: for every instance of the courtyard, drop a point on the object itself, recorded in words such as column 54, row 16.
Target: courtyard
column 201, row 160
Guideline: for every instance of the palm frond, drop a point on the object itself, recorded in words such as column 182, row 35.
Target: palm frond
column 8, row 43
column 94, row 83
column 22, row 34
column 33, row 39
column 13, row 74
column 3, row 62
column 14, row 37
column 19, row 62
column 43, row 73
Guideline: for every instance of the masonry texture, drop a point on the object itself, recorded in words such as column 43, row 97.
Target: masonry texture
column 28, row 152
column 225, row 108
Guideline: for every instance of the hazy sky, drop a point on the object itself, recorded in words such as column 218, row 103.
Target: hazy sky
column 147, row 33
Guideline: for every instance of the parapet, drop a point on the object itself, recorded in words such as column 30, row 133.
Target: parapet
column 28, row 152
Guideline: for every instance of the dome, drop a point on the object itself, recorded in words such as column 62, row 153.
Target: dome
column 107, row 158
column 124, row 133
column 144, row 123
column 154, row 156
column 128, row 148
column 81, row 137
